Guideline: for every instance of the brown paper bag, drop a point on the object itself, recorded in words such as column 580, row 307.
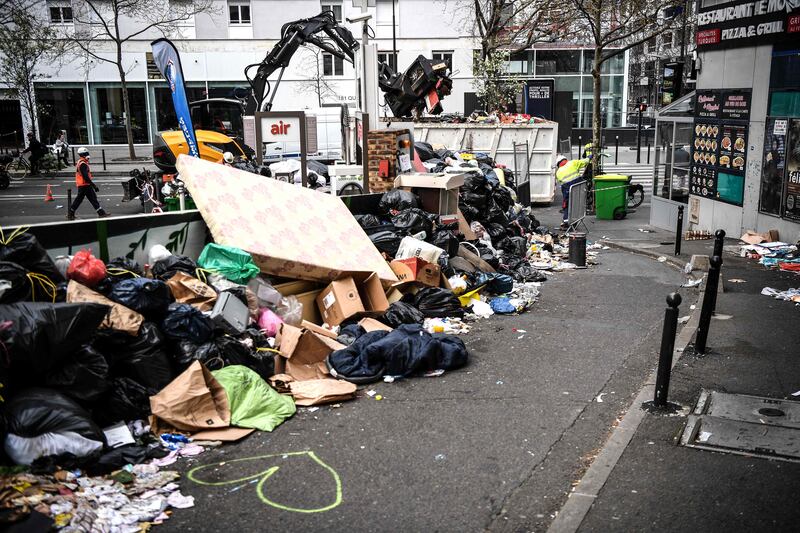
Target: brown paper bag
column 120, row 317
column 319, row 391
column 194, row 401
column 192, row 291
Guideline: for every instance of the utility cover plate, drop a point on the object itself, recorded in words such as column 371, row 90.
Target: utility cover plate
column 745, row 425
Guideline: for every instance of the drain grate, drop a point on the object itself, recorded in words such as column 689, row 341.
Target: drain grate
column 744, row 424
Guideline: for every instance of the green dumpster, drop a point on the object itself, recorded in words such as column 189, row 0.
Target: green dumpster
column 611, row 196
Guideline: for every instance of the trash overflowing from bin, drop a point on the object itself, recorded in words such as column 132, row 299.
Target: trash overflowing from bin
column 114, row 370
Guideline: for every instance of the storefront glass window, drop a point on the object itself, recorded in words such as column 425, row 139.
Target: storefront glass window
column 62, row 107
column 680, row 161
column 663, row 160
column 520, row 63
column 108, row 116
column 557, row 62
column 615, row 65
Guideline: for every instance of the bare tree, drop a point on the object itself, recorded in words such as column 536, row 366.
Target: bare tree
column 101, row 24
column 25, row 42
column 313, row 74
column 612, row 27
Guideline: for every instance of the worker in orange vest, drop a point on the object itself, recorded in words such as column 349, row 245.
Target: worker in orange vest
column 86, row 187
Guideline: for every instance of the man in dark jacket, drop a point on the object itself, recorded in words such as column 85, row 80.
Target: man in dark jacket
column 86, row 187
column 37, row 151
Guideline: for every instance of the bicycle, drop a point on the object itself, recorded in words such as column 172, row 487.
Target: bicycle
column 19, row 167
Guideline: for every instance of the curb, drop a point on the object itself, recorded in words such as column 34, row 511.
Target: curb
column 580, row 500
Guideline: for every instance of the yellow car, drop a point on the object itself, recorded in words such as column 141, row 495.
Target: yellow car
column 211, row 145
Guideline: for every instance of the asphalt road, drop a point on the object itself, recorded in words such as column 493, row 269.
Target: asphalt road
column 493, row 446
column 23, row 202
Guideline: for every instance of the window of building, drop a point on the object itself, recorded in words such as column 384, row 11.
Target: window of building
column 162, row 108
column 383, row 12
column 108, row 115
column 520, row 63
column 614, row 65
column 666, row 39
column 388, row 58
column 558, row 62
column 60, row 11
column 62, row 107
column 336, row 7
column 332, row 65
column 444, row 55
column 239, row 12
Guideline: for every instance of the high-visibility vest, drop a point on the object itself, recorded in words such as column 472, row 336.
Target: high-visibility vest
column 78, row 176
column 588, row 148
column 571, row 170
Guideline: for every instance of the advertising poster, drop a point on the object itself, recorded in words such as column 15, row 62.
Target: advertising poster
column 791, row 196
column 773, row 166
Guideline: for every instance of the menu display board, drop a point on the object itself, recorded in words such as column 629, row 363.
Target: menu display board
column 791, row 193
column 719, row 145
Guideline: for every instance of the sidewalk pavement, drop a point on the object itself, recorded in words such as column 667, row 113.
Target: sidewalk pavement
column 653, row 483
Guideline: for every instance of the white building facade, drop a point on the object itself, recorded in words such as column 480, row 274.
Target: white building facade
column 85, row 99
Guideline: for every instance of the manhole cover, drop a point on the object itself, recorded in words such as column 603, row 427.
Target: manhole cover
column 744, row 424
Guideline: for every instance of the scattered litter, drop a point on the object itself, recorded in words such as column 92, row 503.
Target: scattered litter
column 440, row 457
column 646, row 230
column 693, row 283
column 371, row 393
column 684, row 319
column 599, row 397
column 704, row 436
column 796, row 393
column 434, row 373
column 662, row 259
column 720, row 316
column 791, row 295
column 378, row 397
column 499, row 382
column 737, row 280
column 312, row 409
column 693, row 307
column 518, row 330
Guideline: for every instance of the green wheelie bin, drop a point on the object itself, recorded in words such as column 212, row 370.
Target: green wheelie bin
column 611, row 196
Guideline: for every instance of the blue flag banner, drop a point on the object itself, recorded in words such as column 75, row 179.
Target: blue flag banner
column 168, row 62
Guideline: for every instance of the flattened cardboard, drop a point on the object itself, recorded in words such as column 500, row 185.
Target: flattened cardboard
column 303, row 353
column 229, row 434
column 292, row 232
column 321, row 391
column 120, row 317
column 318, row 329
column 344, row 298
column 370, row 324
column 752, row 237
column 416, row 270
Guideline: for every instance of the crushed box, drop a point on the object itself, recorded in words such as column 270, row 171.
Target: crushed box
column 345, row 298
column 303, row 353
column 415, row 270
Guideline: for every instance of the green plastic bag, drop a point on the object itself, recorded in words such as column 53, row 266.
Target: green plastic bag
column 253, row 403
column 233, row 263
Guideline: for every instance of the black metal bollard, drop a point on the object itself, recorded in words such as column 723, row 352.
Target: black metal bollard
column 580, row 146
column 709, row 301
column 616, row 150
column 103, row 151
column 73, row 155
column 648, row 151
column 667, row 348
column 719, row 241
column 679, row 231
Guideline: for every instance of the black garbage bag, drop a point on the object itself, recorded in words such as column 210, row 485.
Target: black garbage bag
column 525, row 272
column 25, row 250
column 491, row 177
column 42, row 422
column 130, row 454
column 476, row 200
column 354, row 364
column 83, row 376
column 444, row 153
column 401, row 313
column 514, row 246
column 61, row 292
column 436, row 302
column 125, row 400
column 523, row 224
column 368, row 221
column 226, row 350
column 123, row 268
column 150, row 297
column 143, row 358
column 470, row 213
column 424, row 150
column 186, row 322
column 475, row 182
column 435, row 165
column 502, row 197
column 183, row 353
column 496, row 231
column 320, row 168
column 413, row 221
column 21, row 287
column 386, row 241
column 446, row 239
column 495, row 283
column 495, row 215
column 398, row 200
column 43, row 334
column 166, row 268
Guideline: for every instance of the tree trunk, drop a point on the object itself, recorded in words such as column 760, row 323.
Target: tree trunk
column 126, row 106
column 30, row 107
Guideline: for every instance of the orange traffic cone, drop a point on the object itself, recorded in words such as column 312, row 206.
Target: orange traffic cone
column 48, row 197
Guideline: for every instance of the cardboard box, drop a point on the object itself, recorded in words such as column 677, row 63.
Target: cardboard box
column 344, row 298
column 291, row 232
column 303, row 353
column 438, row 193
column 415, row 270
column 752, row 237
column 370, row 324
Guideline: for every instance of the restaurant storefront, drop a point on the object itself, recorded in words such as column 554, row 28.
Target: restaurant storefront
column 742, row 133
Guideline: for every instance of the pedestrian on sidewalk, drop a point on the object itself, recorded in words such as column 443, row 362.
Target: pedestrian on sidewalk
column 37, row 151
column 61, row 149
column 86, row 187
column 569, row 173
